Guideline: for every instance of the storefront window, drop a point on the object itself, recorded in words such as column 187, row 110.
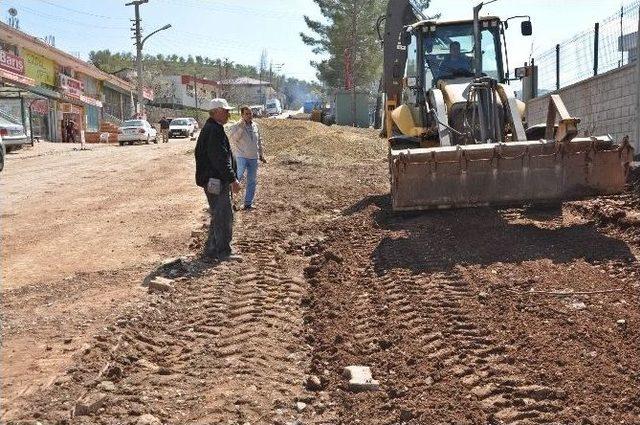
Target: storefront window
column 93, row 118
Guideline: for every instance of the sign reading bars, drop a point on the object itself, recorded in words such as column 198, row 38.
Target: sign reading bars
column 11, row 62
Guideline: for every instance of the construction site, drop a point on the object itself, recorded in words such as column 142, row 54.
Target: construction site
column 470, row 256
column 464, row 316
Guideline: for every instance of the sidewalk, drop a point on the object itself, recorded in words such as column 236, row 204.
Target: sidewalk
column 50, row 148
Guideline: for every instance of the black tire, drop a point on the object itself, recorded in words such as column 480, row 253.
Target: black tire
column 121, row 143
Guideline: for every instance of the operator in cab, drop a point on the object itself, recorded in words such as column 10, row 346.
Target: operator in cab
column 455, row 64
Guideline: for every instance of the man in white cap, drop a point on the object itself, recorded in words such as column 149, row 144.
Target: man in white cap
column 216, row 174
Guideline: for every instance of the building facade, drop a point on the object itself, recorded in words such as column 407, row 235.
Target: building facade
column 187, row 91
column 249, row 91
column 44, row 88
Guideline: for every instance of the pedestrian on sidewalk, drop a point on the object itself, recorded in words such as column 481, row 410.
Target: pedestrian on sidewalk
column 164, row 129
column 246, row 143
column 216, row 174
column 71, row 131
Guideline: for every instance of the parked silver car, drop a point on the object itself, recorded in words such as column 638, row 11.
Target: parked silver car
column 13, row 134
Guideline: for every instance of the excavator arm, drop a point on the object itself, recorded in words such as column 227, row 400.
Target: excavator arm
column 400, row 13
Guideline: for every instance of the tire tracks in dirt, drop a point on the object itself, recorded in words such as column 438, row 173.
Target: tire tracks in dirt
column 423, row 330
column 224, row 344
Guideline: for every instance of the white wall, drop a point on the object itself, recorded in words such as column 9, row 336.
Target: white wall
column 606, row 104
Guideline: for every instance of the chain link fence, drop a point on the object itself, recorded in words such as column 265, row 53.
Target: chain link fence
column 609, row 44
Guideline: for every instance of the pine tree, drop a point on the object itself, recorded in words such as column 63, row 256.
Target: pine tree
column 350, row 40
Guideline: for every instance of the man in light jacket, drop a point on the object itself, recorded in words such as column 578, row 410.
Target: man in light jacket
column 246, row 143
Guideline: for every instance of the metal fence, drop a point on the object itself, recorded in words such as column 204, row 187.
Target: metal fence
column 610, row 44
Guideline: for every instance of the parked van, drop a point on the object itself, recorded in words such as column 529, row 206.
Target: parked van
column 274, row 107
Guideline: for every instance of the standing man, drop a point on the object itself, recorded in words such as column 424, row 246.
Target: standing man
column 247, row 148
column 164, row 129
column 215, row 173
column 71, row 131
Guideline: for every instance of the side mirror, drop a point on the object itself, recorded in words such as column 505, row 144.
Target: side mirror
column 428, row 45
column 526, row 28
column 405, row 38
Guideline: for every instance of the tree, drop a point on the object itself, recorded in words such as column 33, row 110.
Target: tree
column 264, row 62
column 349, row 38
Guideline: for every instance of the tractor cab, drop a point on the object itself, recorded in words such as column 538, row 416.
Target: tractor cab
column 445, row 51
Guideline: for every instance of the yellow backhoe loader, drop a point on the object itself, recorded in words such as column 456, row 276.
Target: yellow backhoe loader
column 457, row 135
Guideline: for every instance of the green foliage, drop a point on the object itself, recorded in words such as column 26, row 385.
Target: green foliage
column 295, row 91
column 348, row 31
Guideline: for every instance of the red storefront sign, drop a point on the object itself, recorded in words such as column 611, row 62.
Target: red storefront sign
column 11, row 62
column 148, row 93
column 40, row 107
column 71, row 86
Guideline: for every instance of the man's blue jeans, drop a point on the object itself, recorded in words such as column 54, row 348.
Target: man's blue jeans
column 251, row 167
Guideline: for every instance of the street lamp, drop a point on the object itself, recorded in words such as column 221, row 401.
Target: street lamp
column 139, row 64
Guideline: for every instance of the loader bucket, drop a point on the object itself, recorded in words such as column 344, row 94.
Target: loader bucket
column 507, row 174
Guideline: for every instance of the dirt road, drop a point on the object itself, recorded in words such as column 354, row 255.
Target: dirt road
column 467, row 317
column 79, row 231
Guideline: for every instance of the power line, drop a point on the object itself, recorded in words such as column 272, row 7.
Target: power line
column 74, row 10
column 60, row 18
column 272, row 14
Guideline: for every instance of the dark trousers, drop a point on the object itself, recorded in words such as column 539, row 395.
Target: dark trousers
column 221, row 226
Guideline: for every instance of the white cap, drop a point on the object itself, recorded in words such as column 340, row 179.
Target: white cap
column 220, row 103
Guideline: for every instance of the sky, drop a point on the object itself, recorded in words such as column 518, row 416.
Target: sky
column 240, row 30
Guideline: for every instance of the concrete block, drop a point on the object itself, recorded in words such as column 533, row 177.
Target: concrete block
column 89, row 405
column 360, row 378
column 160, row 284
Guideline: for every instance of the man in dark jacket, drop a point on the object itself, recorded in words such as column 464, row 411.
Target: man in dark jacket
column 164, row 129
column 215, row 173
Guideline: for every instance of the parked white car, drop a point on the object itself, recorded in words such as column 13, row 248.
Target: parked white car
column 196, row 126
column 273, row 107
column 13, row 134
column 137, row 131
column 181, row 127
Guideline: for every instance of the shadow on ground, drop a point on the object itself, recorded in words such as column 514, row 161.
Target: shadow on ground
column 440, row 240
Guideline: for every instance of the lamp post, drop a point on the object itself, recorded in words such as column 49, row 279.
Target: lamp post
column 139, row 66
column 137, row 29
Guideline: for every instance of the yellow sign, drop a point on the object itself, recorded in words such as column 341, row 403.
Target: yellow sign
column 41, row 69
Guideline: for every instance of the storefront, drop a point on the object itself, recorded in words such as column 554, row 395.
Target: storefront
column 14, row 87
column 79, row 112
column 117, row 102
column 45, row 89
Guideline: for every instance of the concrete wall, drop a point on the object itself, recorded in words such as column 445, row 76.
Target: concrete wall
column 606, row 104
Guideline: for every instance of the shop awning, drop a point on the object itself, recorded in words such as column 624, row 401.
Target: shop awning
column 81, row 100
column 14, row 78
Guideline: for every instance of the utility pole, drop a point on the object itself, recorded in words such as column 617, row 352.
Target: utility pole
column 137, row 29
column 195, row 89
